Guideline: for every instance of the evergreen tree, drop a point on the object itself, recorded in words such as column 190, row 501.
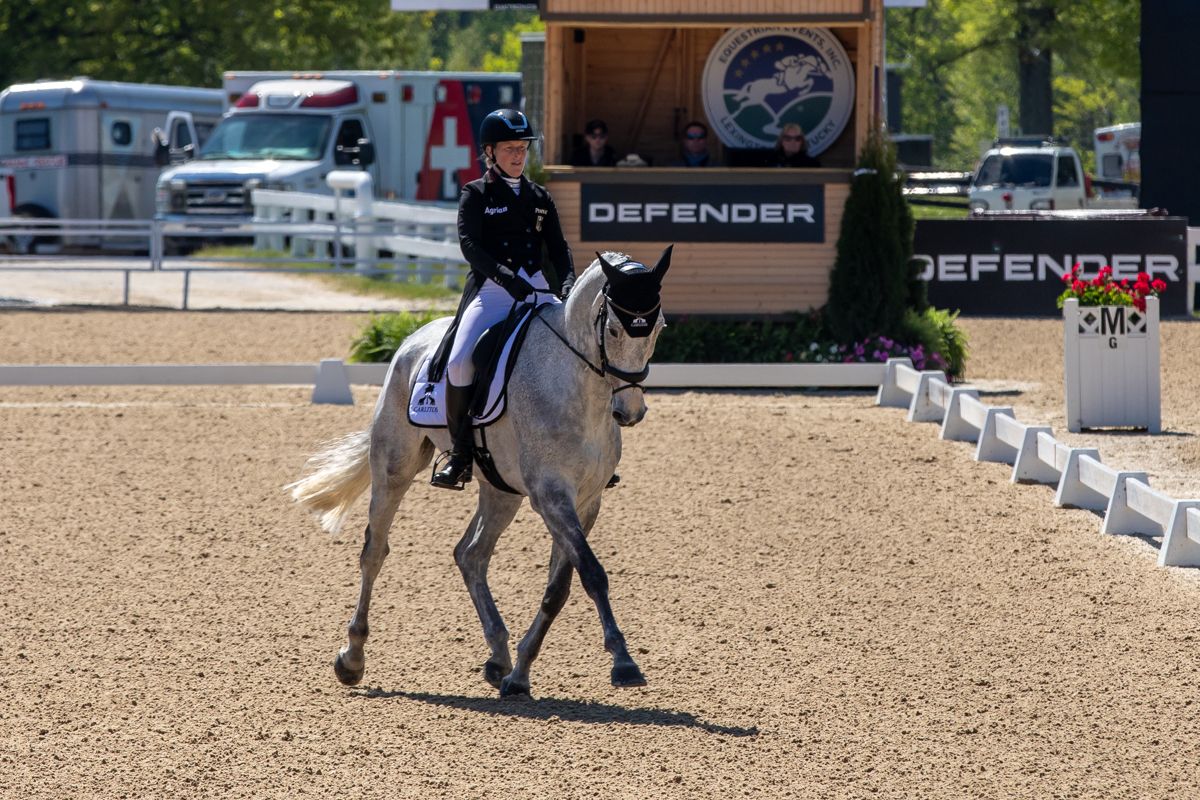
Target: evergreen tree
column 873, row 281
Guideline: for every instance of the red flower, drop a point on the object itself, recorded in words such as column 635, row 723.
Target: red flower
column 1078, row 286
column 1105, row 272
column 1143, row 277
column 1076, row 268
column 1068, row 277
column 1125, row 284
column 1140, row 302
column 1159, row 285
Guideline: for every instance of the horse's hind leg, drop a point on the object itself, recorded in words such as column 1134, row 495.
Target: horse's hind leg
column 391, row 475
column 473, row 554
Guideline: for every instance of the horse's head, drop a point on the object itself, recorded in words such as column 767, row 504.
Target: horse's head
column 629, row 316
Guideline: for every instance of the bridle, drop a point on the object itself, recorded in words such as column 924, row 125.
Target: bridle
column 633, row 380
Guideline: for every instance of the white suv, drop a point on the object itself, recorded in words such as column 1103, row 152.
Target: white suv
column 1046, row 177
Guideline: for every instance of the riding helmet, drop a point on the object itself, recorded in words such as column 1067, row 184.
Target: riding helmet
column 505, row 125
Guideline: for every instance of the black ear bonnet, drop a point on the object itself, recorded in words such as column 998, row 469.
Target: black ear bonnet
column 634, row 295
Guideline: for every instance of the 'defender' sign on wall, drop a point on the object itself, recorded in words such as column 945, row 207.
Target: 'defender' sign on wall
column 1015, row 267
column 617, row 212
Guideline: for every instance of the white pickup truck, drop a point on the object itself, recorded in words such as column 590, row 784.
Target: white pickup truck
column 1032, row 175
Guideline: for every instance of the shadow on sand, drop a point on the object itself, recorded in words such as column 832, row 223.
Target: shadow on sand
column 546, row 708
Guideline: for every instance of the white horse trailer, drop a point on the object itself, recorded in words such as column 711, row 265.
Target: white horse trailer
column 84, row 149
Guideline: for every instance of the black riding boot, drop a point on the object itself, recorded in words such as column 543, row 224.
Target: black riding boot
column 457, row 470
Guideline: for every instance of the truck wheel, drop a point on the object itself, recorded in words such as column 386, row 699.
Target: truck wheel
column 29, row 244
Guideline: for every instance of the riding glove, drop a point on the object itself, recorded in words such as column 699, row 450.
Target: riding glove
column 566, row 290
column 518, row 288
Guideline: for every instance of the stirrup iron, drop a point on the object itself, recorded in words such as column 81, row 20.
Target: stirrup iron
column 445, row 477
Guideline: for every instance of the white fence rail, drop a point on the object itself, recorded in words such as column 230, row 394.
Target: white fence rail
column 1130, row 506
column 407, row 230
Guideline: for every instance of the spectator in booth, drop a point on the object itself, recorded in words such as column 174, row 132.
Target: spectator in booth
column 595, row 151
column 791, row 148
column 695, row 147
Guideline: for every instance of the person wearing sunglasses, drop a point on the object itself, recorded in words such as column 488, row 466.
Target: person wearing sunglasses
column 791, row 148
column 695, row 147
column 595, row 150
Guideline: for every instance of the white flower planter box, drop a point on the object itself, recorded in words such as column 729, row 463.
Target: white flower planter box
column 1111, row 366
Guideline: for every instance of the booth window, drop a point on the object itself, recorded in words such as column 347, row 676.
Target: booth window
column 33, row 134
column 1067, row 175
column 121, row 133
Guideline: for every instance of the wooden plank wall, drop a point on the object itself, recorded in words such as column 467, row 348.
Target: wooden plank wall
column 608, row 74
column 729, row 8
column 725, row 278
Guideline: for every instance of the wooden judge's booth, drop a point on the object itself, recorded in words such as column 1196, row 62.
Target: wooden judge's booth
column 749, row 238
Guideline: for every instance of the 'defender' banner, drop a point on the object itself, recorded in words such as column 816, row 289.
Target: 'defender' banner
column 617, row 212
column 1015, row 267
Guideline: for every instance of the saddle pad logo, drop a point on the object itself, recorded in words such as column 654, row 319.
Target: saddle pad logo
column 759, row 79
column 639, row 322
column 427, row 404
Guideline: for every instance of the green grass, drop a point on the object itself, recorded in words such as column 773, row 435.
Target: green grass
column 382, row 286
column 938, row 212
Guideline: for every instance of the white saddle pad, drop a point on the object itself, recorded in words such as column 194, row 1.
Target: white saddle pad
column 427, row 403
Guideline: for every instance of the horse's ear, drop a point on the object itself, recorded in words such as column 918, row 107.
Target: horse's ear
column 611, row 271
column 664, row 263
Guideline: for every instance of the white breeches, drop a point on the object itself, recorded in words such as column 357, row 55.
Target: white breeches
column 490, row 306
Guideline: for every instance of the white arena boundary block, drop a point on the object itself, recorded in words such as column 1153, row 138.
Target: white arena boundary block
column 331, row 378
column 1000, row 429
column 954, row 427
column 1071, row 491
column 1181, row 542
column 890, row 395
column 1029, row 466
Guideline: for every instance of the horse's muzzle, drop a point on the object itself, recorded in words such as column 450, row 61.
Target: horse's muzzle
column 626, row 420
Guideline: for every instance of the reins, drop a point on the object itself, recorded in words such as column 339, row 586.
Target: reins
column 632, row 379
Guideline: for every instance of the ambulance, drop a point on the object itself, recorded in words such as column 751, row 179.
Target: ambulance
column 1118, row 157
column 415, row 132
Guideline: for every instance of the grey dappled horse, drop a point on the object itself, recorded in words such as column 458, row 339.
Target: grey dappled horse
column 558, row 443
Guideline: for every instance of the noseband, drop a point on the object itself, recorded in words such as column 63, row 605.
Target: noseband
column 633, row 380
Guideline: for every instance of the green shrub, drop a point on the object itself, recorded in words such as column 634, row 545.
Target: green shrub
column 873, row 279
column 931, row 339
column 382, row 336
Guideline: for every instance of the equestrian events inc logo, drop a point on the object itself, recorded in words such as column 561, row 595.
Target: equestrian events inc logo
column 759, row 79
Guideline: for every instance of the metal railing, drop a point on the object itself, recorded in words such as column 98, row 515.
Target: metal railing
column 370, row 247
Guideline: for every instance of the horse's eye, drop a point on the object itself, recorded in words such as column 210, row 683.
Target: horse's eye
column 613, row 330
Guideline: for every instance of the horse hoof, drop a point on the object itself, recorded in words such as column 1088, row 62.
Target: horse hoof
column 345, row 675
column 509, row 688
column 626, row 675
column 494, row 673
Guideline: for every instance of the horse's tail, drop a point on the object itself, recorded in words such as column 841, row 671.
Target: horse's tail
column 335, row 478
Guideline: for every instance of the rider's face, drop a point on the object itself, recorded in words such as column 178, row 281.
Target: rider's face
column 510, row 157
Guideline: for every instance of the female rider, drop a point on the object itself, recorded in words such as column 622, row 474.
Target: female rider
column 503, row 221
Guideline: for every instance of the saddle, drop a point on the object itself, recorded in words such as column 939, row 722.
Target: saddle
column 494, row 358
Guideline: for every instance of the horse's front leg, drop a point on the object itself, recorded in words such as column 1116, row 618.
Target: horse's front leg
column 473, row 554
column 389, row 483
column 557, row 507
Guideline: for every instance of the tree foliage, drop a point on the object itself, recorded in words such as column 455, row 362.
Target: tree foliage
column 964, row 57
column 192, row 42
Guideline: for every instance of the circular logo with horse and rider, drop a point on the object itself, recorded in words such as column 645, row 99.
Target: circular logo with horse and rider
column 759, row 79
